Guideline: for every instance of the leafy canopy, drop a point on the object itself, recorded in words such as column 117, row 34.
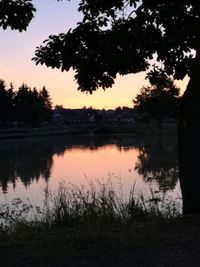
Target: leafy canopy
column 158, row 101
column 24, row 105
column 16, row 14
column 123, row 36
column 117, row 37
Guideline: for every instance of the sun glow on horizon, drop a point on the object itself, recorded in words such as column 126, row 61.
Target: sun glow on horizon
column 16, row 66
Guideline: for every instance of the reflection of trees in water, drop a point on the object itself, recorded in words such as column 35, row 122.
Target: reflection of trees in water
column 24, row 161
column 94, row 142
column 29, row 161
column 158, row 161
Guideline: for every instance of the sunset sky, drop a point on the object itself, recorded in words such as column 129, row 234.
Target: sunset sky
column 17, row 49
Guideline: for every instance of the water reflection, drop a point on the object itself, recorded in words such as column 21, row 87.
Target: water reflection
column 25, row 161
column 150, row 160
column 158, row 161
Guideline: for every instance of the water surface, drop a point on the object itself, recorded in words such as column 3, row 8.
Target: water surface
column 28, row 166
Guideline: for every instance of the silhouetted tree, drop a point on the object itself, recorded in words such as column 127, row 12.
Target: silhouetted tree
column 16, row 14
column 3, row 99
column 121, row 37
column 46, row 104
column 32, row 106
column 60, row 107
column 158, row 101
column 10, row 102
column 6, row 102
column 24, row 104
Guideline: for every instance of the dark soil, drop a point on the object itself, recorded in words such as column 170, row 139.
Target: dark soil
column 156, row 244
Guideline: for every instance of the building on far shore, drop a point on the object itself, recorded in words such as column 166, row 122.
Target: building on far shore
column 90, row 115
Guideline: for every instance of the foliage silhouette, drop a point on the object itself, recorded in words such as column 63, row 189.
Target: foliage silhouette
column 25, row 105
column 27, row 162
column 6, row 102
column 158, row 162
column 16, row 14
column 130, row 36
column 157, row 102
column 122, row 37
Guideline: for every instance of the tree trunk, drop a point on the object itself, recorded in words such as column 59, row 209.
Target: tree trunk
column 189, row 142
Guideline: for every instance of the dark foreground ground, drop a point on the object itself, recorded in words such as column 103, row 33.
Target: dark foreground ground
column 142, row 244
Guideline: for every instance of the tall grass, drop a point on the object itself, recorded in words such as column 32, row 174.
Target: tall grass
column 95, row 203
column 102, row 202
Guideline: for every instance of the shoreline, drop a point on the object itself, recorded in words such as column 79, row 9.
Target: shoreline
column 91, row 128
column 142, row 244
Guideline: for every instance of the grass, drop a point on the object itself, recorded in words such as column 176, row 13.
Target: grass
column 97, row 203
column 96, row 225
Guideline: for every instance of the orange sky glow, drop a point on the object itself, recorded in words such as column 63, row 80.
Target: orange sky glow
column 17, row 49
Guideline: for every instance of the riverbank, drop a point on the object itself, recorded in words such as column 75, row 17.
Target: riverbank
column 142, row 244
column 22, row 133
column 96, row 226
column 89, row 128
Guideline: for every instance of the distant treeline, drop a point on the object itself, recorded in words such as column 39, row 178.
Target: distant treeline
column 24, row 105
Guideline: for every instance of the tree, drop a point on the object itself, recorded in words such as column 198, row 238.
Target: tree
column 124, row 36
column 6, row 102
column 2, row 99
column 24, row 104
column 59, row 107
column 9, row 109
column 46, row 104
column 16, row 14
column 121, row 37
column 158, row 101
column 32, row 106
column 128, row 36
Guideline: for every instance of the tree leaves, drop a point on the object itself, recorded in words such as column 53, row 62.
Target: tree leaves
column 158, row 101
column 16, row 14
column 121, row 36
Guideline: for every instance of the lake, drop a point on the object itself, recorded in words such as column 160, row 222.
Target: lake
column 150, row 163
